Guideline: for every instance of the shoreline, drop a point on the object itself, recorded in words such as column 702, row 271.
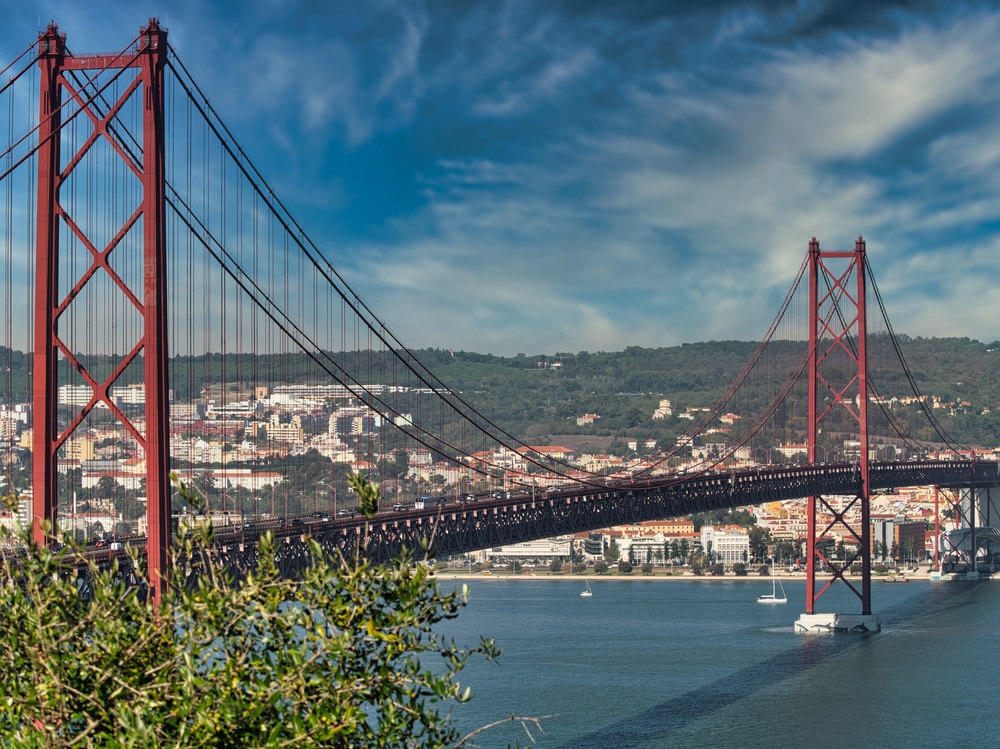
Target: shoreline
column 919, row 576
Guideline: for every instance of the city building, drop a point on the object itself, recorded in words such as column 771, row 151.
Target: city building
column 548, row 451
column 728, row 544
column 908, row 538
column 290, row 432
column 664, row 410
column 231, row 478
column 544, row 549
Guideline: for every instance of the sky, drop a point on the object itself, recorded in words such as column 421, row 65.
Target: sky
column 538, row 177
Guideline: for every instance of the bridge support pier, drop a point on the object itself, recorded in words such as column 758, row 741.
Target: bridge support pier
column 823, row 623
column 967, row 550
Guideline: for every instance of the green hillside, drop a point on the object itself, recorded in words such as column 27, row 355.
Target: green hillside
column 534, row 399
column 537, row 396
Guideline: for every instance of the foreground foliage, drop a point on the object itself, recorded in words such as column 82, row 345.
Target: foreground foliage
column 328, row 660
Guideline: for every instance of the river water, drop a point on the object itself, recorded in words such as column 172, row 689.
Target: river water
column 695, row 662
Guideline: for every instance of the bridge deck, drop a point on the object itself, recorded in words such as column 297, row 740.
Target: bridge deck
column 470, row 526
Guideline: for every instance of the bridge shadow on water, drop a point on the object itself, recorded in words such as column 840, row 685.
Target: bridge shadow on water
column 664, row 720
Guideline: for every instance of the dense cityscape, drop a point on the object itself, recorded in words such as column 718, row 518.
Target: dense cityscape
column 254, row 459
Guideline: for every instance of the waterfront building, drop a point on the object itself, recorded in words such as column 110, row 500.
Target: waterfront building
column 900, row 533
column 728, row 543
column 590, row 544
column 672, row 526
column 642, row 548
column 546, row 548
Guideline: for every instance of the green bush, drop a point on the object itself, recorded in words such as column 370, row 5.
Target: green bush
column 329, row 659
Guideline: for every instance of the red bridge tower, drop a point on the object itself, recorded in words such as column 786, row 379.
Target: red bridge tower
column 91, row 101
column 838, row 379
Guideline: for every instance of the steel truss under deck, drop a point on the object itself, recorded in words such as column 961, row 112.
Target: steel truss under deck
column 454, row 529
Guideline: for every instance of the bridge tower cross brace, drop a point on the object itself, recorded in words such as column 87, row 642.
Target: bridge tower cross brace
column 148, row 59
column 838, row 332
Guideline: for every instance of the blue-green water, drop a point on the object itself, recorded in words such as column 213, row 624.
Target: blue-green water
column 647, row 663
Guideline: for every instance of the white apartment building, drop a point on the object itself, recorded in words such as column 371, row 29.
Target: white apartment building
column 235, row 410
column 75, row 395
column 122, row 395
column 729, row 543
column 230, row 478
column 545, row 548
column 129, row 395
column 639, row 548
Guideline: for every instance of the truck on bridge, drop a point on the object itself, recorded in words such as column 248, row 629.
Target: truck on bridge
column 426, row 503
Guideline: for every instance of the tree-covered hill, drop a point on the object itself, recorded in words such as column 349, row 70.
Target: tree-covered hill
column 536, row 396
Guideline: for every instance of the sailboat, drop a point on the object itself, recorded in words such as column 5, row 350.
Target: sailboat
column 588, row 592
column 772, row 597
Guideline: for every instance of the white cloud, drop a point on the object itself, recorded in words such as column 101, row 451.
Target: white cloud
column 968, row 157
column 320, row 82
column 686, row 215
column 539, row 88
column 965, row 272
column 677, row 202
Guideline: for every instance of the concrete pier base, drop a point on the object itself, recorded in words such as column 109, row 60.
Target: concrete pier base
column 824, row 623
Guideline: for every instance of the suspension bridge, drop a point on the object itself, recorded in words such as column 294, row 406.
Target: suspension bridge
column 180, row 319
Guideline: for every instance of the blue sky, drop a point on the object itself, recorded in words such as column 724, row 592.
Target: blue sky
column 531, row 177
